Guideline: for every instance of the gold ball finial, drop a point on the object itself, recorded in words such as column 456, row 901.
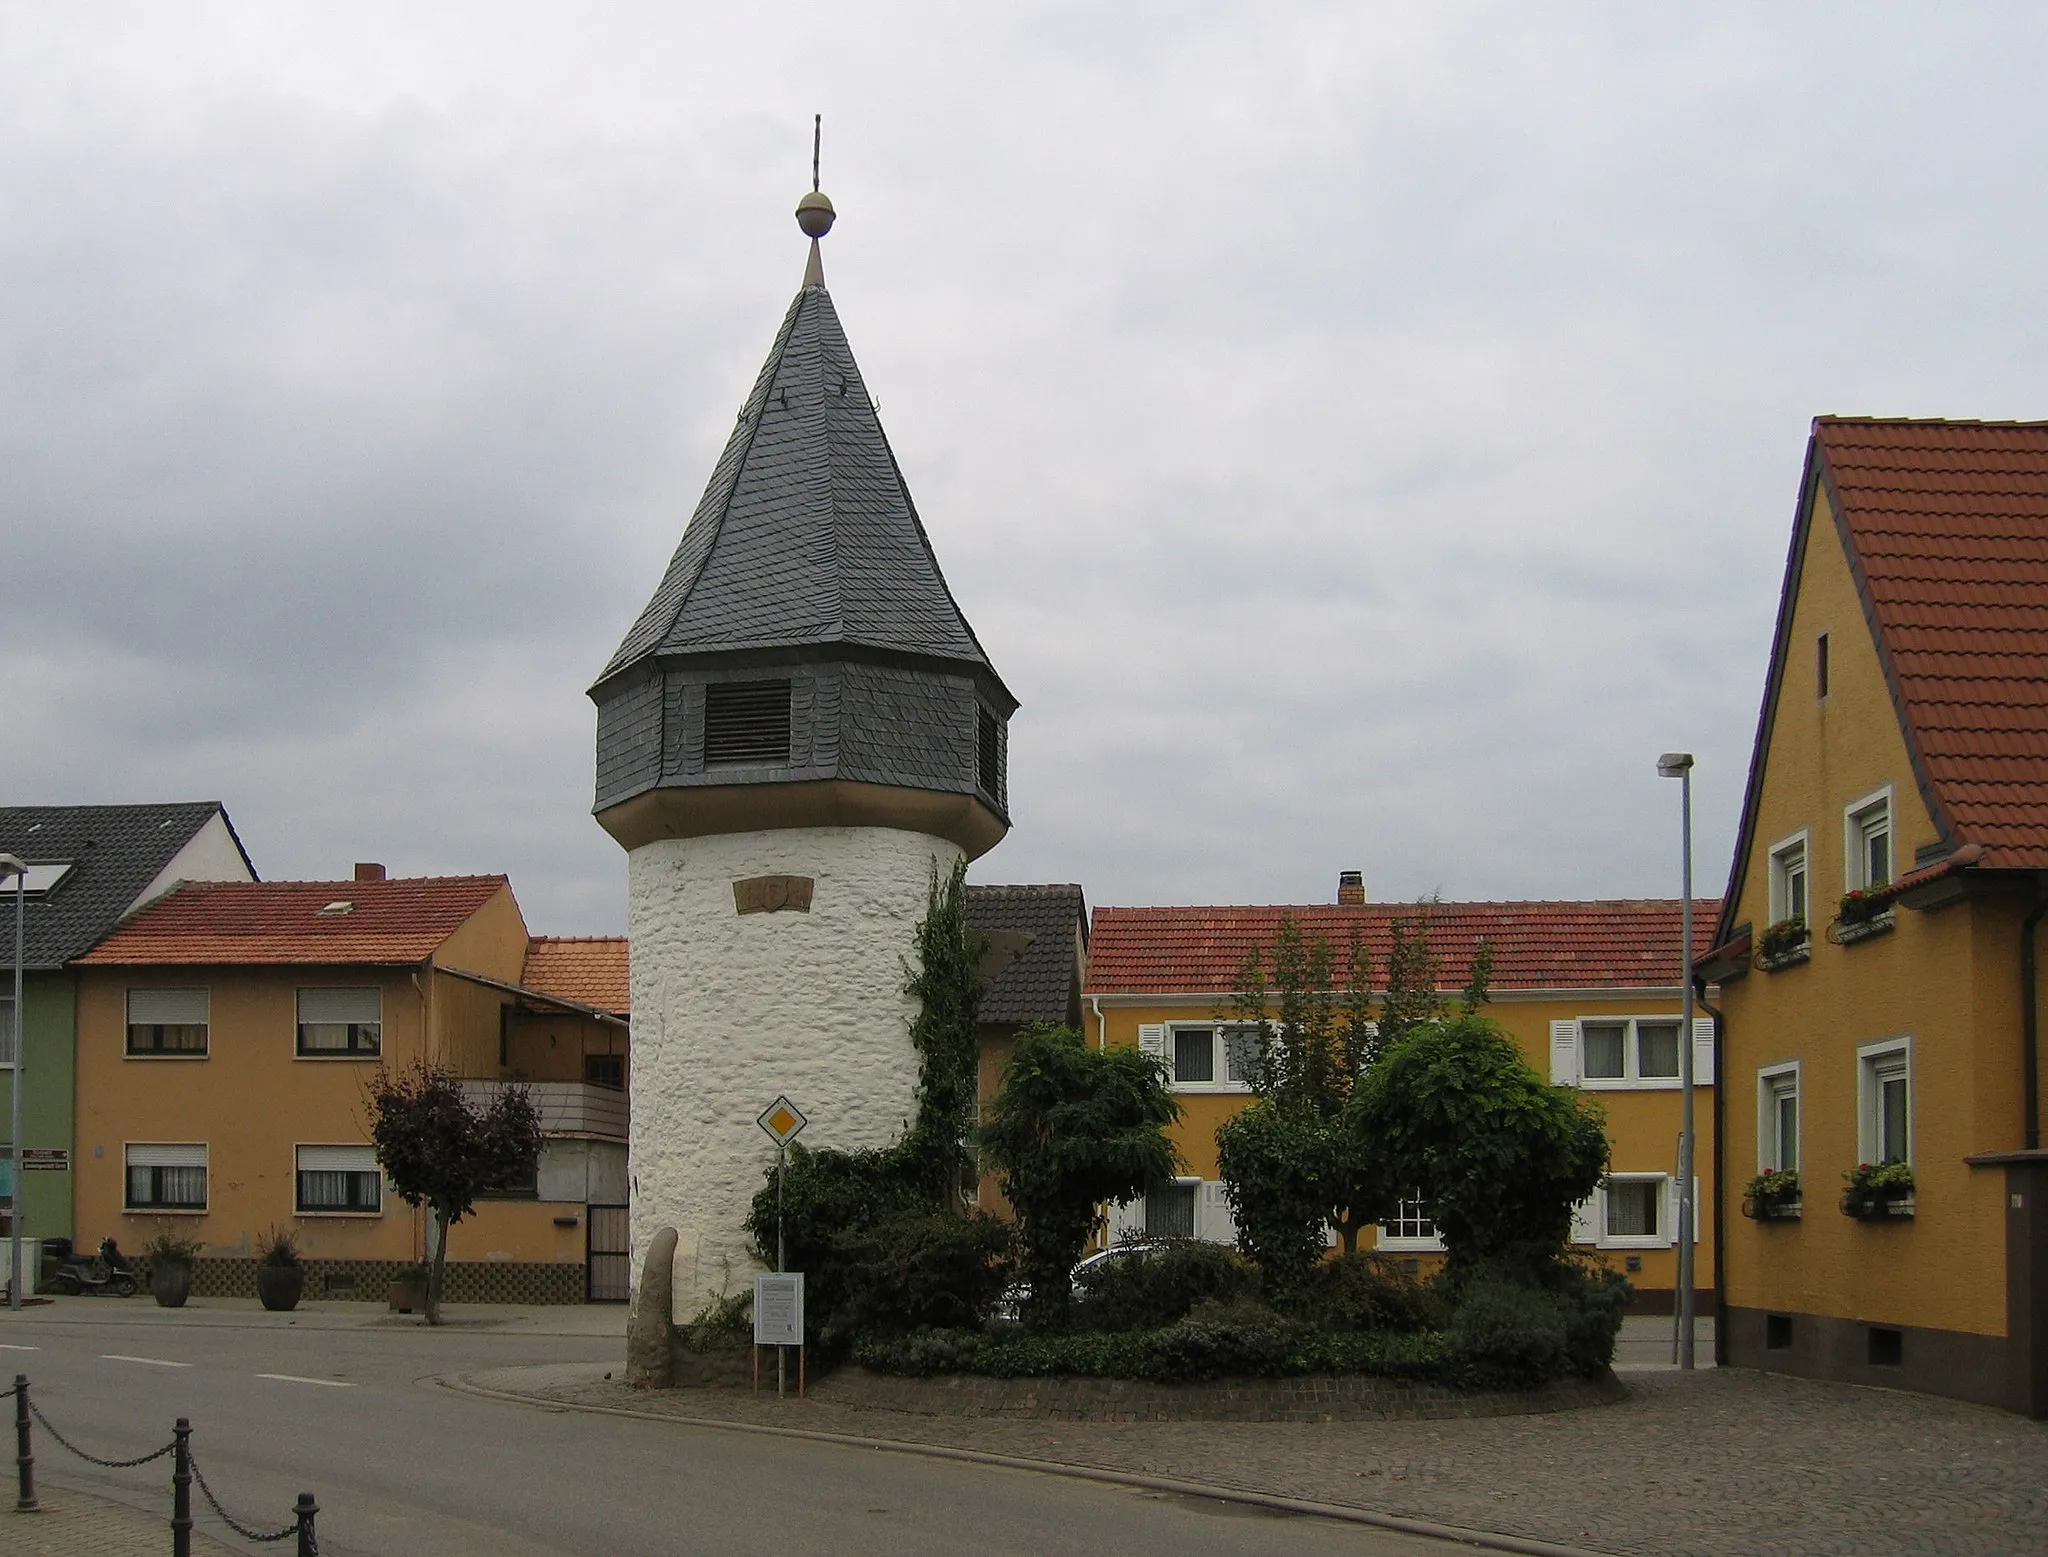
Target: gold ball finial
column 814, row 214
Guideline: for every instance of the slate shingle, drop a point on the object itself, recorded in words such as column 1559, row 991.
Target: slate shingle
column 1043, row 985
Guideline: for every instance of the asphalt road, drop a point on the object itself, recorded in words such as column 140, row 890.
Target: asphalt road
column 347, row 1409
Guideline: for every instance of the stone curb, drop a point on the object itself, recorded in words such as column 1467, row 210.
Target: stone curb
column 1482, row 1540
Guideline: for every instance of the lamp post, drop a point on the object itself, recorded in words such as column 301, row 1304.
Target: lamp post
column 9, row 865
column 1678, row 765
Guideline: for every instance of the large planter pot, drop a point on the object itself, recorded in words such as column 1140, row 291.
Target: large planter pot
column 170, row 1283
column 280, row 1286
column 408, row 1294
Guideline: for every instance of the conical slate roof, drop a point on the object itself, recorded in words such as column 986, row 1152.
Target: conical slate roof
column 806, row 534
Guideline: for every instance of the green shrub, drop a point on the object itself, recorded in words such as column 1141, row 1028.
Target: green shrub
column 1145, row 1291
column 827, row 1195
column 1506, row 1335
column 936, row 1271
column 725, row 1321
column 1596, row 1296
column 1358, row 1292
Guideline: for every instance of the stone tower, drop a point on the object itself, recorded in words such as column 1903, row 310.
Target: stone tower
column 799, row 726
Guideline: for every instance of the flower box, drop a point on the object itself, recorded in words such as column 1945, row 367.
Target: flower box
column 1864, row 1208
column 1783, row 944
column 1879, row 1192
column 1759, row 1210
column 1845, row 932
column 1786, row 959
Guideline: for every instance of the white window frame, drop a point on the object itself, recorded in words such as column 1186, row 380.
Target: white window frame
column 1667, row 1214
column 1874, row 1061
column 129, row 1024
column 1194, row 1188
column 129, row 1208
column 299, row 1148
column 1856, row 832
column 1219, row 1069
column 1771, row 1084
column 1780, row 884
column 1398, row 1244
column 1631, row 1078
column 300, row 1024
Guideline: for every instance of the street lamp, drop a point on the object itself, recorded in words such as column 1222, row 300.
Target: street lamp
column 9, row 865
column 1678, row 765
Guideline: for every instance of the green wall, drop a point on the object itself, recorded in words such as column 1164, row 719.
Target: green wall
column 46, row 1105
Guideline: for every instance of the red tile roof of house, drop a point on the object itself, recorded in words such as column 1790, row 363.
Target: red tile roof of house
column 1598, row 945
column 589, row 969
column 397, row 921
column 1947, row 531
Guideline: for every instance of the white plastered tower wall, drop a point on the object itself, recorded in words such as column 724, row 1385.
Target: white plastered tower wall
column 732, row 1010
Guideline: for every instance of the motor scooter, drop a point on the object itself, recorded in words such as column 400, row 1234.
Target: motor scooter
column 107, row 1271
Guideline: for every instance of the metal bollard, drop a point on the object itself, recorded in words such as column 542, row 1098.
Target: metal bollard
column 306, row 1511
column 181, row 1489
column 24, row 1456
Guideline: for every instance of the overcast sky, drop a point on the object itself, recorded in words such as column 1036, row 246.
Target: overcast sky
column 1362, row 435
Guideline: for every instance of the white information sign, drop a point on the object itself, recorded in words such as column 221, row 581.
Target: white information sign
column 779, row 1310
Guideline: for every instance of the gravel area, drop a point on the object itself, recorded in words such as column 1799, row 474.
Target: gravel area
column 1724, row 1461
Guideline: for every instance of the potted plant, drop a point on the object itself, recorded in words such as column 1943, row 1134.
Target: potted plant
column 1863, row 912
column 1879, row 1191
column 1787, row 941
column 408, row 1290
column 170, row 1255
column 1772, row 1196
column 280, row 1272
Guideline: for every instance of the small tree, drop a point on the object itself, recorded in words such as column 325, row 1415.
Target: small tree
column 441, row 1151
column 946, row 979
column 1071, row 1128
column 1500, row 1155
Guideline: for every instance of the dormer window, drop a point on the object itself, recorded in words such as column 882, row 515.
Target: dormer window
column 746, row 723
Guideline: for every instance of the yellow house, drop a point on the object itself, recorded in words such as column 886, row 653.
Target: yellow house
column 1877, row 948
column 1590, row 992
column 226, row 1037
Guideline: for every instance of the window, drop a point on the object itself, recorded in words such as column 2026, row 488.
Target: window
column 1788, row 879
column 340, row 1022
column 1820, row 666
column 167, row 1178
column 167, row 1021
column 1867, row 841
column 746, row 722
column 1629, row 1052
column 1170, row 1211
column 605, row 1070
column 1886, row 1087
column 1209, row 1056
column 1777, row 1137
column 1633, row 1211
column 1412, row 1226
column 339, row 1179
column 988, row 755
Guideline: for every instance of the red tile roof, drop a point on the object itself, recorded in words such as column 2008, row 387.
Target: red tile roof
column 1947, row 527
column 1599, row 945
column 589, row 969
column 281, row 922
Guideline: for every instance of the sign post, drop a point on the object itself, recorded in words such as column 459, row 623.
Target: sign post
column 784, row 1122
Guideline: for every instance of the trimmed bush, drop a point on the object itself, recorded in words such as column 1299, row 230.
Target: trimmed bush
column 1146, row 1291
column 934, row 1272
column 1369, row 1292
column 1596, row 1296
column 1507, row 1336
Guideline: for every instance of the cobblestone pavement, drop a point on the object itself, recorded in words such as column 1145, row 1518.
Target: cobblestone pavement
column 1723, row 1462
column 76, row 1524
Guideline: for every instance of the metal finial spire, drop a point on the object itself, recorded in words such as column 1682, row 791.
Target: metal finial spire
column 814, row 213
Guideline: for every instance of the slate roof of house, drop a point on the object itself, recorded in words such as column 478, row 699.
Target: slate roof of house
column 116, row 852
column 271, row 922
column 806, row 534
column 1627, row 944
column 589, row 969
column 1947, row 524
column 1041, row 985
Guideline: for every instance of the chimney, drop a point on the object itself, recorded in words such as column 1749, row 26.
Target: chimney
column 1351, row 888
column 371, row 872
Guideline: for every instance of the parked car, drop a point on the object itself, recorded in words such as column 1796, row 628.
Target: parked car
column 1010, row 1305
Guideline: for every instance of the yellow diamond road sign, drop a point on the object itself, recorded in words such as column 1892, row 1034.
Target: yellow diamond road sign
column 783, row 1121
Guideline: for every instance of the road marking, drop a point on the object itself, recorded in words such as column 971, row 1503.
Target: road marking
column 6, row 1347
column 293, row 1378
column 154, row 1362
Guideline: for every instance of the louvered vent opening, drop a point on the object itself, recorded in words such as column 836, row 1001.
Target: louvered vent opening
column 989, row 757
column 746, row 722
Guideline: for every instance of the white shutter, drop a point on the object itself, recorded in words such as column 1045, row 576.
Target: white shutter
column 1564, row 1053
column 1586, row 1219
column 337, row 1159
column 191, row 1156
column 1152, row 1041
column 340, row 1005
column 1126, row 1219
column 167, row 1008
column 1213, row 1220
column 1703, row 1051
